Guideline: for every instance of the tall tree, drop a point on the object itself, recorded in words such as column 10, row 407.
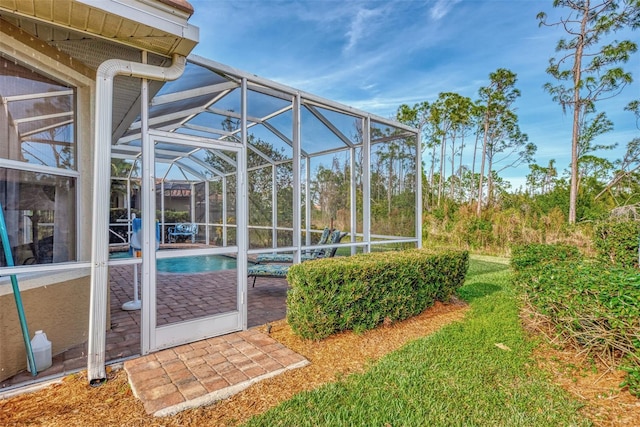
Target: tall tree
column 458, row 109
column 588, row 66
column 418, row 116
column 477, row 119
column 440, row 119
column 507, row 148
column 499, row 120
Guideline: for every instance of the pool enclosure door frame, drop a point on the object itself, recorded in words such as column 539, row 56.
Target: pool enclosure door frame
column 153, row 336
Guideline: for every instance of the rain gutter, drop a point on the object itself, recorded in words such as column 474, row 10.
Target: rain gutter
column 107, row 71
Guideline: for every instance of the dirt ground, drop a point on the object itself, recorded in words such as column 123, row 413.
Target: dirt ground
column 72, row 402
column 588, row 379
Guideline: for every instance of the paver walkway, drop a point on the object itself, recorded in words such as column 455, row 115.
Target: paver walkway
column 203, row 372
column 266, row 303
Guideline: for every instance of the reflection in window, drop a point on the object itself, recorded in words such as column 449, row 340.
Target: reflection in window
column 37, row 126
column 39, row 210
column 38, row 123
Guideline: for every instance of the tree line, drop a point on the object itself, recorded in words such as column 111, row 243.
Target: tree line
column 588, row 67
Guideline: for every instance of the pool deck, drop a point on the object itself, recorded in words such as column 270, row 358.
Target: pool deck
column 177, row 300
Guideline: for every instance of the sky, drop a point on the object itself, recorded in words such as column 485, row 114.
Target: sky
column 378, row 55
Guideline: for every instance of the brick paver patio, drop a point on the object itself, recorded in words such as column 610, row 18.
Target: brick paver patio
column 180, row 297
column 203, row 372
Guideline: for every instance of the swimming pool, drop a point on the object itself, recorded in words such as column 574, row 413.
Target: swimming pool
column 195, row 264
column 188, row 265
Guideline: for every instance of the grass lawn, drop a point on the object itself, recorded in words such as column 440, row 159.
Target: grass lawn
column 478, row 372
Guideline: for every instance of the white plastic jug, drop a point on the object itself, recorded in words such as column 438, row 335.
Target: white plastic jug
column 41, row 348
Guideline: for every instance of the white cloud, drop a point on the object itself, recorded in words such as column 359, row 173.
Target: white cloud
column 360, row 26
column 441, row 8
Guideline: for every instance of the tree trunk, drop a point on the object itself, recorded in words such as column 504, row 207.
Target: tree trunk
column 431, row 172
column 577, row 110
column 440, row 180
column 460, row 164
column 484, row 156
column 473, row 169
column 489, row 179
column 453, row 162
column 389, row 187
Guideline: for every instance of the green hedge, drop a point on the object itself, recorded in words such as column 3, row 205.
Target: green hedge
column 528, row 259
column 360, row 292
column 593, row 304
column 617, row 242
column 171, row 217
column 536, row 255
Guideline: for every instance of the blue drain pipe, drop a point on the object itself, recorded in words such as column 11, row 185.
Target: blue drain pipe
column 16, row 293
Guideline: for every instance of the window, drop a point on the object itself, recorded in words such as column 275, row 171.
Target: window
column 37, row 165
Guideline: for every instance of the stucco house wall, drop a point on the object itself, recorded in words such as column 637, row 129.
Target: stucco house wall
column 58, row 302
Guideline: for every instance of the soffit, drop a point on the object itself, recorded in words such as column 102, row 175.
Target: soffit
column 148, row 25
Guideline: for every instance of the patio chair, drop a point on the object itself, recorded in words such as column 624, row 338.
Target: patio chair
column 281, row 270
column 184, row 231
column 315, row 253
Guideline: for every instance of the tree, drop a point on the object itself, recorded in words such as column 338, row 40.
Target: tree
column 499, row 121
column 459, row 110
column 329, row 189
column 634, row 107
column 588, row 66
column 477, row 118
column 508, row 148
column 541, row 180
column 419, row 116
column 626, row 179
column 625, row 182
column 445, row 121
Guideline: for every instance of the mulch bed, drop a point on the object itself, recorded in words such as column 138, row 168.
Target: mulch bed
column 72, row 402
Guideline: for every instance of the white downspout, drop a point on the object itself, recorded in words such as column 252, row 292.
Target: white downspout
column 106, row 73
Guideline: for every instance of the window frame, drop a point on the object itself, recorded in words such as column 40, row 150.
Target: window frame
column 83, row 88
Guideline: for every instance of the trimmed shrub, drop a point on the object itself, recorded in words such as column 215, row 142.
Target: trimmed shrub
column 361, row 291
column 172, row 217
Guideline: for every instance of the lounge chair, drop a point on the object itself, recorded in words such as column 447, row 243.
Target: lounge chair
column 315, row 253
column 280, row 270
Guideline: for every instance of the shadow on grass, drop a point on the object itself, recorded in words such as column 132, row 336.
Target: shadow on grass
column 477, row 267
column 477, row 290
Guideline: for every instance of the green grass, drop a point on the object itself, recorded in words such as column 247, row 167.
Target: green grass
column 456, row 377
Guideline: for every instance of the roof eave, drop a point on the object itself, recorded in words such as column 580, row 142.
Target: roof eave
column 160, row 14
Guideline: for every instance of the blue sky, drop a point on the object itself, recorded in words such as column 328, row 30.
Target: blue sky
column 377, row 55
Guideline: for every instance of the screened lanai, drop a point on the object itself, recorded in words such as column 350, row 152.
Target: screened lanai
column 310, row 164
column 250, row 166
column 255, row 166
column 232, row 166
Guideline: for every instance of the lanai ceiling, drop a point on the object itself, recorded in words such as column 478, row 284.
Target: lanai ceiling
column 206, row 102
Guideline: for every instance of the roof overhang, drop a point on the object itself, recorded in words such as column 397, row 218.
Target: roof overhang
column 85, row 33
column 157, row 26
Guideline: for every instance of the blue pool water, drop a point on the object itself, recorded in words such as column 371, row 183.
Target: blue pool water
column 185, row 265
column 119, row 255
column 197, row 264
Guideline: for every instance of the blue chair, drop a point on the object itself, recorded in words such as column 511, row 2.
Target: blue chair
column 316, row 253
column 280, row 270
